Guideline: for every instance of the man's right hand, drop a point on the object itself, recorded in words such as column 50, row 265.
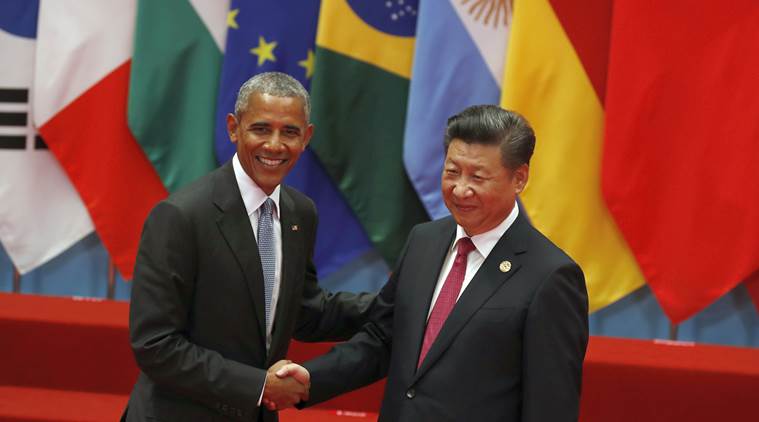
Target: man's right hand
column 283, row 391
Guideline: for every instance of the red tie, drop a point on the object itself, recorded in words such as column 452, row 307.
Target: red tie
column 447, row 297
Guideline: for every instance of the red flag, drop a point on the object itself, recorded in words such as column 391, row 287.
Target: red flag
column 682, row 139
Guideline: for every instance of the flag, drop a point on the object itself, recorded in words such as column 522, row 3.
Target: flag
column 556, row 76
column 173, row 85
column 81, row 81
column 41, row 214
column 364, row 52
column 280, row 36
column 682, row 142
column 458, row 62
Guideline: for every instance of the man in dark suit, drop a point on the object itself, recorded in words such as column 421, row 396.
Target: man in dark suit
column 224, row 276
column 483, row 318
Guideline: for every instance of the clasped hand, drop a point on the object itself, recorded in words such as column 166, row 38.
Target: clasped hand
column 287, row 384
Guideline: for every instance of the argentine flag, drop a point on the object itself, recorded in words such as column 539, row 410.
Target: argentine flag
column 458, row 62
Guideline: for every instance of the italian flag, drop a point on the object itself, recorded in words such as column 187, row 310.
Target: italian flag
column 82, row 79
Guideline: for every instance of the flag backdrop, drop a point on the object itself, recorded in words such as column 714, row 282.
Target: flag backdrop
column 360, row 87
column 80, row 106
column 682, row 143
column 173, row 85
column 280, row 36
column 31, row 230
column 458, row 62
column 556, row 78
column 673, row 178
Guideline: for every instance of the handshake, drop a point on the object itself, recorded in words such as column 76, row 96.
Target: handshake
column 287, row 384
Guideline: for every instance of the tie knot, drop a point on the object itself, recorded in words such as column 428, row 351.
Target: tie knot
column 267, row 207
column 465, row 246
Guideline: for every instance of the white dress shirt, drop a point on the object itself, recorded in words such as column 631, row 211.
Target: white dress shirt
column 483, row 243
column 253, row 197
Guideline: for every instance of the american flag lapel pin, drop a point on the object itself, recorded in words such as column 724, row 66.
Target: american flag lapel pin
column 294, row 227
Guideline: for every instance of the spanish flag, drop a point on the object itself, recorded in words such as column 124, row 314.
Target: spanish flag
column 556, row 77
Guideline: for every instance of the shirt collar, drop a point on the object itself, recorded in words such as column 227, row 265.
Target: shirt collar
column 485, row 242
column 252, row 195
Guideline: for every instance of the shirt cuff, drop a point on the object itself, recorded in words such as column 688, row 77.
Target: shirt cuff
column 261, row 397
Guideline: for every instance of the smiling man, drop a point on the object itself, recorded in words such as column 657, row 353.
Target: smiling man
column 270, row 131
column 483, row 319
column 224, row 277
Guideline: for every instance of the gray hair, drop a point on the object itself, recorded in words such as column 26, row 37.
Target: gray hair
column 276, row 84
column 492, row 125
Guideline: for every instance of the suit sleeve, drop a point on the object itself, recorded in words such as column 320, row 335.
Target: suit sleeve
column 162, row 292
column 363, row 359
column 555, row 339
column 327, row 316
column 366, row 357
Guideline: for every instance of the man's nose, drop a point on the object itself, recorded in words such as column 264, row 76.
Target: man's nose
column 275, row 141
column 462, row 190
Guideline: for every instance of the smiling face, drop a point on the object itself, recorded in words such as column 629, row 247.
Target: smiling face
column 478, row 190
column 270, row 135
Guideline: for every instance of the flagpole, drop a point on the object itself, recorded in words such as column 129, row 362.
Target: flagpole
column 16, row 280
column 111, row 291
column 673, row 331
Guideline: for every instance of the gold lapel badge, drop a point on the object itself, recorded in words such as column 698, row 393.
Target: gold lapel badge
column 505, row 266
column 294, row 227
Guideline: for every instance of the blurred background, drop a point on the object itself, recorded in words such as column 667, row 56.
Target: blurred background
column 646, row 115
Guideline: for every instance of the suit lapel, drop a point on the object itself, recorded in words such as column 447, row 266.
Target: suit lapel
column 292, row 249
column 484, row 284
column 426, row 276
column 234, row 224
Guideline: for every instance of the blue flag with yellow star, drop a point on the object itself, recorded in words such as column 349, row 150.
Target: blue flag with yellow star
column 280, row 36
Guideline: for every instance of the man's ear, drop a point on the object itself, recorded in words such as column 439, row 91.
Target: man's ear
column 521, row 175
column 308, row 134
column 232, row 127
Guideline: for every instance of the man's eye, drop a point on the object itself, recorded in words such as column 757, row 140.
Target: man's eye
column 260, row 130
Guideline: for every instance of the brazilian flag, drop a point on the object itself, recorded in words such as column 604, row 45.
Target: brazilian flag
column 364, row 51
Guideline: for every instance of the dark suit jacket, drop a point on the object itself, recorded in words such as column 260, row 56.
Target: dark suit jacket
column 511, row 349
column 196, row 318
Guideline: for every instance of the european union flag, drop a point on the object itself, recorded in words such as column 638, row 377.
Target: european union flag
column 279, row 36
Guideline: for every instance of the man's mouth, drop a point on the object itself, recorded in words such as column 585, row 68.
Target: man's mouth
column 270, row 162
column 464, row 208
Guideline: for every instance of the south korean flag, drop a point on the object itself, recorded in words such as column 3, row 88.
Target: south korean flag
column 41, row 214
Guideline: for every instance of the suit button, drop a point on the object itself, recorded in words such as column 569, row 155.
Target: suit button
column 410, row 393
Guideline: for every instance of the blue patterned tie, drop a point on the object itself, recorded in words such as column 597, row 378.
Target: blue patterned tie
column 268, row 256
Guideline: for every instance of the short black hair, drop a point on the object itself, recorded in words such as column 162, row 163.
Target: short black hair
column 276, row 84
column 492, row 125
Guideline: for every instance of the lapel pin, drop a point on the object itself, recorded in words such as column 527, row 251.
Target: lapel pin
column 505, row 266
column 294, row 227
